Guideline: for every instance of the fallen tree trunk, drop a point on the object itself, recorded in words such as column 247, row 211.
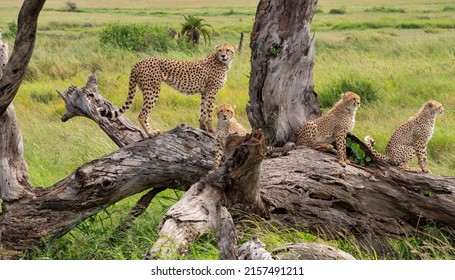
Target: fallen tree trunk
column 306, row 189
column 371, row 204
column 234, row 185
column 309, row 190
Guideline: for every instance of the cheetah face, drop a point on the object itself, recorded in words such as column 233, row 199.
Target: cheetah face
column 435, row 107
column 225, row 112
column 225, row 53
column 352, row 100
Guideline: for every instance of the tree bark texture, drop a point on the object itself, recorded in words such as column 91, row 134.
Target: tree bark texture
column 281, row 87
column 234, row 185
column 175, row 159
column 308, row 190
column 14, row 72
column 14, row 179
column 87, row 100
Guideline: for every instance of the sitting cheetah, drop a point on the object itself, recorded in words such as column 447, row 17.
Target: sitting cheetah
column 206, row 76
column 227, row 125
column 410, row 139
column 332, row 127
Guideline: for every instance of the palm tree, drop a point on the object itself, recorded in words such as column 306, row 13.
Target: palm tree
column 193, row 27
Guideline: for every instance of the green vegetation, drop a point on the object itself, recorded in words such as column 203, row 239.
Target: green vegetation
column 395, row 61
column 384, row 10
column 141, row 38
column 71, row 6
column 364, row 87
column 194, row 27
column 358, row 155
column 337, row 11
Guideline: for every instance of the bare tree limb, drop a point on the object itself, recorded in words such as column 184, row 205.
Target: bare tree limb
column 86, row 100
column 14, row 72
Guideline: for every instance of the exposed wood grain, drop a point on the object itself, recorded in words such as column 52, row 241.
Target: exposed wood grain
column 281, row 79
column 14, row 72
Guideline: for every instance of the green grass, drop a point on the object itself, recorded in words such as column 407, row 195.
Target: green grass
column 396, row 61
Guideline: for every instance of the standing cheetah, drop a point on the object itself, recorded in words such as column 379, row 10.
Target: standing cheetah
column 410, row 139
column 332, row 127
column 206, row 76
column 226, row 125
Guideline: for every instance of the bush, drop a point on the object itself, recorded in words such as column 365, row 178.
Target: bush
column 71, row 6
column 12, row 30
column 337, row 11
column 136, row 37
column 448, row 9
column 363, row 87
column 384, row 10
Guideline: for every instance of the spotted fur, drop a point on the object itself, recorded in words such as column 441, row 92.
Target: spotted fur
column 226, row 125
column 410, row 139
column 332, row 127
column 206, row 76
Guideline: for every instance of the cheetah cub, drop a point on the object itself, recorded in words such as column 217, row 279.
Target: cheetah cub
column 205, row 76
column 410, row 139
column 323, row 132
column 227, row 125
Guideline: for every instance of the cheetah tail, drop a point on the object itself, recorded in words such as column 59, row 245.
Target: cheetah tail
column 129, row 100
column 369, row 142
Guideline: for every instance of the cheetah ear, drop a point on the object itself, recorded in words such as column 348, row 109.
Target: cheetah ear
column 234, row 106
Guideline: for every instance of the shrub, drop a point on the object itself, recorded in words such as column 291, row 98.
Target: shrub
column 136, row 37
column 448, row 9
column 71, row 6
column 337, row 11
column 363, row 87
column 12, row 30
column 384, row 10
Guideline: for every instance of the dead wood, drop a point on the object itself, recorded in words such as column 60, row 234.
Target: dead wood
column 281, row 89
column 87, row 100
column 309, row 251
column 306, row 189
column 233, row 185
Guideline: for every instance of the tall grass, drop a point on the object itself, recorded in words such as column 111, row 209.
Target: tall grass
column 396, row 69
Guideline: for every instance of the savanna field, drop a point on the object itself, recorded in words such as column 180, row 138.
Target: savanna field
column 395, row 54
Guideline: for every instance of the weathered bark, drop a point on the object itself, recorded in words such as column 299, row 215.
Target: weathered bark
column 255, row 250
column 85, row 102
column 234, row 185
column 14, row 179
column 281, row 84
column 308, row 190
column 14, row 72
column 226, row 236
column 175, row 159
column 310, row 251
